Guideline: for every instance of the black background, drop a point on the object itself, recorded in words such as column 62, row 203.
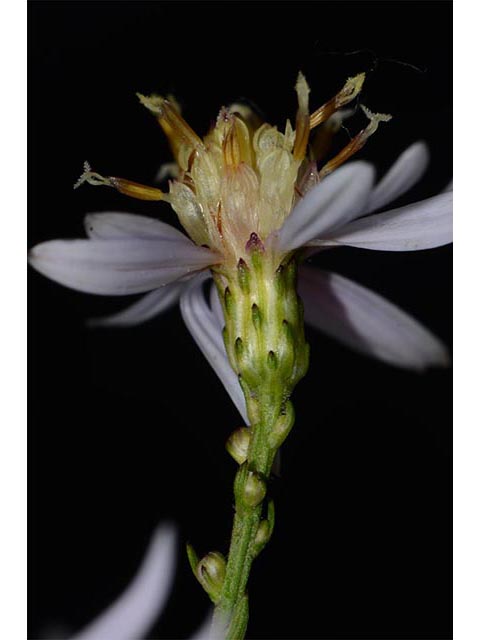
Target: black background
column 127, row 427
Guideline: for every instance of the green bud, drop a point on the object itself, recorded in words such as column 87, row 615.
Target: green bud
column 263, row 534
column 238, row 443
column 265, row 530
column 254, row 489
column 282, row 427
column 210, row 572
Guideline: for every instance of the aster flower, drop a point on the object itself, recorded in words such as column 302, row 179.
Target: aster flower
column 243, row 182
column 255, row 202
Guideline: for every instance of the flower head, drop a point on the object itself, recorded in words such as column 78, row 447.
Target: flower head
column 244, row 177
column 245, row 187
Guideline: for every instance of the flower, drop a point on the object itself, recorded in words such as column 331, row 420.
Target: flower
column 248, row 187
column 136, row 609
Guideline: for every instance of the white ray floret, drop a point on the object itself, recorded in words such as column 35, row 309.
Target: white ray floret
column 204, row 327
column 118, row 266
column 341, row 197
column 405, row 172
column 149, row 306
column 422, row 225
column 366, row 322
column 109, row 225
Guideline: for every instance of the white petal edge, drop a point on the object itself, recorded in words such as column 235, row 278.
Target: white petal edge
column 135, row 611
column 404, row 173
column 203, row 326
column 119, row 266
column 109, row 225
column 336, row 200
column 149, row 306
column 366, row 322
column 421, row 225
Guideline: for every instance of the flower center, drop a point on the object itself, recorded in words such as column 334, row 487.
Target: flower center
column 245, row 176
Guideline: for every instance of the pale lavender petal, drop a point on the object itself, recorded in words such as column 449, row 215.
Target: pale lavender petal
column 336, row 200
column 367, row 322
column 120, row 266
column 110, row 225
column 407, row 170
column 216, row 306
column 146, row 308
column 206, row 332
column 131, row 616
column 422, row 225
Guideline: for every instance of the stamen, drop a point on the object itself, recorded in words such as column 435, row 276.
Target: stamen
column 127, row 187
column 349, row 92
column 176, row 129
column 357, row 142
column 302, row 123
column 137, row 190
column 323, row 137
column 236, row 141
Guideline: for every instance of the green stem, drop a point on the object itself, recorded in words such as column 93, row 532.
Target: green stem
column 266, row 346
column 243, row 547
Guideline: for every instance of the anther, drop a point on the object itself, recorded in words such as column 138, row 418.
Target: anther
column 349, row 92
column 176, row 129
column 357, row 142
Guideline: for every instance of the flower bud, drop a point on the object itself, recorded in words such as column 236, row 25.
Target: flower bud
column 254, row 489
column 282, row 427
column 237, row 444
column 263, row 534
column 265, row 530
column 210, row 572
